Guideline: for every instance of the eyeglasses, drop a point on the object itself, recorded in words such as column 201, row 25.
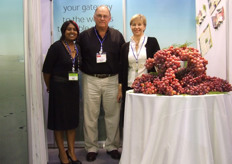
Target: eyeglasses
column 99, row 16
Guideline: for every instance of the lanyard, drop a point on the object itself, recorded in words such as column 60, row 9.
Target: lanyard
column 70, row 52
column 101, row 49
column 136, row 57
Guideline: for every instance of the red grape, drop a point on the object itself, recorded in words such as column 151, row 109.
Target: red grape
column 173, row 80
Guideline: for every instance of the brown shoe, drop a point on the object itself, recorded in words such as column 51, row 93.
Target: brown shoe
column 114, row 154
column 91, row 156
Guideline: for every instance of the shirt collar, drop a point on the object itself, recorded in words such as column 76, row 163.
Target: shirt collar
column 98, row 33
column 141, row 39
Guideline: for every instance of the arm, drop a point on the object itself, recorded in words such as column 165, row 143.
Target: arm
column 152, row 47
column 47, row 77
column 123, row 69
column 119, row 97
column 49, row 62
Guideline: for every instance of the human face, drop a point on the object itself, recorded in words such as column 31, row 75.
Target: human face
column 102, row 17
column 138, row 28
column 71, row 33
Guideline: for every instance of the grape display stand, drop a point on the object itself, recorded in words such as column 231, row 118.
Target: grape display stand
column 177, row 129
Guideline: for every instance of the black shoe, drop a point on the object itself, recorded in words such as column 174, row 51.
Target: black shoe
column 91, row 156
column 61, row 161
column 114, row 154
column 72, row 161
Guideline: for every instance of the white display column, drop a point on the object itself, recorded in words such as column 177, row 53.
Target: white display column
column 33, row 62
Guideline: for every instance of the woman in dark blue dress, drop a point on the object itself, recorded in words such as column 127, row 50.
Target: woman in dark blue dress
column 60, row 72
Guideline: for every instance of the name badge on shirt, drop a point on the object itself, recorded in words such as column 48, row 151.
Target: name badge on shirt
column 73, row 76
column 101, row 57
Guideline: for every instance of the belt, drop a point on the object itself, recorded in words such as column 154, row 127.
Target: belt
column 59, row 78
column 102, row 75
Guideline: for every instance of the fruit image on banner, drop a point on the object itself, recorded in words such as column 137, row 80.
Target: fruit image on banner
column 180, row 70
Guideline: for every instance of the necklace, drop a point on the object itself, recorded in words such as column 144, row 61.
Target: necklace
column 69, row 49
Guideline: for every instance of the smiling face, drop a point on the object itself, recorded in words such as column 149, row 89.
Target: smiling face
column 71, row 33
column 137, row 27
column 102, row 17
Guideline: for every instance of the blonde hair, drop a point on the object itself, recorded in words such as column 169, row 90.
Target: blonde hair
column 139, row 16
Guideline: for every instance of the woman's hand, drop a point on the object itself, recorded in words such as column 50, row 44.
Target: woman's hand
column 119, row 97
column 47, row 80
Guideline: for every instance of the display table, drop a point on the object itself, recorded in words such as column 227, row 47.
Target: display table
column 177, row 129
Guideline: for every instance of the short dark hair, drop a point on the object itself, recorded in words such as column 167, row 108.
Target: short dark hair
column 64, row 27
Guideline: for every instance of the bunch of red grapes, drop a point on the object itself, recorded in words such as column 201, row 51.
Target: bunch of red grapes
column 170, row 79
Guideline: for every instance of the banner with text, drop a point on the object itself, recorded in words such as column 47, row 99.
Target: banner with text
column 82, row 11
column 170, row 21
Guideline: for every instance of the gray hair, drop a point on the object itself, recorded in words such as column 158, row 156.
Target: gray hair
column 102, row 6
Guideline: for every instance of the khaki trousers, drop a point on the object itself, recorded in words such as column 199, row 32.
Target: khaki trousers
column 96, row 90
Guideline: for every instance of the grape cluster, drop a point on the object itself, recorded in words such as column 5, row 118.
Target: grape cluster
column 170, row 79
